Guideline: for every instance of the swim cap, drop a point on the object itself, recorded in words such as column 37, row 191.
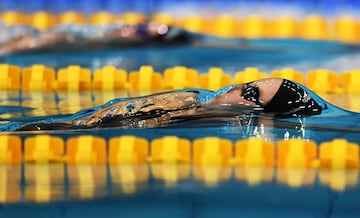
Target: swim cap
column 292, row 100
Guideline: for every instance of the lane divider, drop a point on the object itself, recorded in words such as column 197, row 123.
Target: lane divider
column 323, row 81
column 339, row 153
column 349, row 81
column 180, row 77
column 170, row 149
column 128, row 150
column 43, row 149
column 86, row 149
column 252, row 152
column 212, row 151
column 290, row 74
column 311, row 27
column 215, row 79
column 296, row 153
column 10, row 149
column 38, row 78
column 146, row 79
column 109, row 78
column 255, row 152
column 75, row 79
column 9, row 77
column 249, row 74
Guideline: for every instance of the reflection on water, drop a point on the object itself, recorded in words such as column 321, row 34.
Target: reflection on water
column 255, row 175
column 171, row 174
column 212, row 175
column 339, row 180
column 10, row 183
column 128, row 179
column 296, row 178
column 44, row 183
column 87, row 181
column 59, row 182
column 42, row 103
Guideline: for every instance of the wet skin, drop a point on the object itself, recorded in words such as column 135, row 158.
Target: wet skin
column 259, row 97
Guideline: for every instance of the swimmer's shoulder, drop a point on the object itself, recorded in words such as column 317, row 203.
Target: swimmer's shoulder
column 205, row 96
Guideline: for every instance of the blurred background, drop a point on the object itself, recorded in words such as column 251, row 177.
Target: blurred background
column 238, row 8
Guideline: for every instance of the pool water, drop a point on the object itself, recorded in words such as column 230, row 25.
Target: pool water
column 211, row 191
column 266, row 55
column 181, row 190
column 31, row 107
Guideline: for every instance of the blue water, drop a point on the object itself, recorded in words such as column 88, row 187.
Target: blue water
column 190, row 197
column 226, row 200
column 267, row 55
column 264, row 54
column 333, row 122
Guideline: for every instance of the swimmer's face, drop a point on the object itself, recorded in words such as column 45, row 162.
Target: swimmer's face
column 278, row 97
column 255, row 94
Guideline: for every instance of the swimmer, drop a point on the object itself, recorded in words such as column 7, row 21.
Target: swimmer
column 273, row 97
column 72, row 36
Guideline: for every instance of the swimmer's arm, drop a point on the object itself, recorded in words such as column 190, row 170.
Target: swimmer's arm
column 164, row 101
